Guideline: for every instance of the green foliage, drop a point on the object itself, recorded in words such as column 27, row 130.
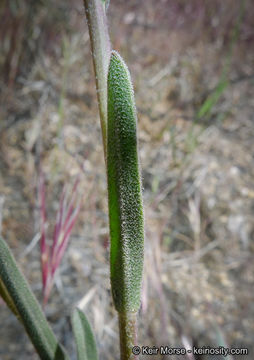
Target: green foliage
column 212, row 99
column 223, row 83
column 16, row 292
column 7, row 298
column 84, row 337
column 118, row 123
column 124, row 190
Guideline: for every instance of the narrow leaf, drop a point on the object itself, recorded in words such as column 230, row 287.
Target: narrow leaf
column 8, row 300
column 124, row 189
column 27, row 308
column 86, row 346
column 211, row 101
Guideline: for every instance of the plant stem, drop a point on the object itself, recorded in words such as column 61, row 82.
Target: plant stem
column 128, row 334
column 100, row 45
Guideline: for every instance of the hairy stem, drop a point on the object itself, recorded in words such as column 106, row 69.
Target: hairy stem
column 128, row 335
column 100, row 45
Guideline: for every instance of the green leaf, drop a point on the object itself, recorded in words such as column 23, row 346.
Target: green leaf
column 212, row 99
column 6, row 297
column 84, row 337
column 124, row 190
column 19, row 297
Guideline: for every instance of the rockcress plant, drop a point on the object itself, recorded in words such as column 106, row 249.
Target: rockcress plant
column 126, row 220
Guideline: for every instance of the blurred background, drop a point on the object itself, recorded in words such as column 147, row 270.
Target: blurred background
column 192, row 67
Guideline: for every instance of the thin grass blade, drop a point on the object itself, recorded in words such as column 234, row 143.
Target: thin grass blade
column 211, row 101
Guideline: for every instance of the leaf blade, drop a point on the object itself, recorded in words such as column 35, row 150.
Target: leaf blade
column 85, row 341
column 124, row 190
column 27, row 309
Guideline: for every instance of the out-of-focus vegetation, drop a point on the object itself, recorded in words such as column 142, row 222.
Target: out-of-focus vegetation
column 29, row 29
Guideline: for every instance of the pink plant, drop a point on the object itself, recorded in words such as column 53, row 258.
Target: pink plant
column 51, row 255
